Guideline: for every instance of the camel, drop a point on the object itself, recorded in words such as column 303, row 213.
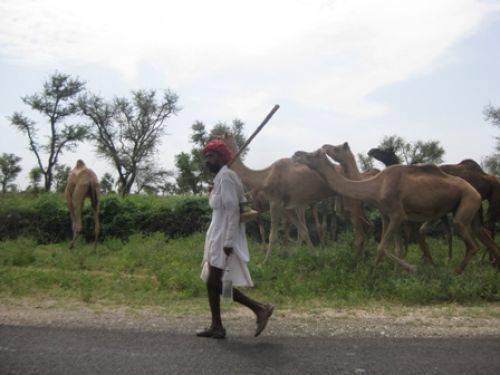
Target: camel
column 282, row 184
column 361, row 225
column 487, row 185
column 388, row 157
column 411, row 193
column 82, row 183
column 259, row 203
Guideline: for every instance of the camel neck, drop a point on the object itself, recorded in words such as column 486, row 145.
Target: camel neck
column 366, row 190
column 351, row 168
column 253, row 179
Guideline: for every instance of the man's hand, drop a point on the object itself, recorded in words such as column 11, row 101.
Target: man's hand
column 228, row 250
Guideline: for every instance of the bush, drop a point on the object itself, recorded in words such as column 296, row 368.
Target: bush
column 46, row 217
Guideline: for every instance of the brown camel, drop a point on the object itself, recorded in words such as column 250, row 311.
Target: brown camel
column 388, row 157
column 361, row 225
column 282, row 184
column 486, row 184
column 259, row 203
column 82, row 183
column 411, row 193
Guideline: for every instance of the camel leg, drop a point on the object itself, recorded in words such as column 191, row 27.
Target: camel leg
column 78, row 199
column 390, row 230
column 422, row 243
column 299, row 220
column 276, row 210
column 484, row 237
column 97, row 224
column 301, row 215
column 449, row 237
column 405, row 232
column 359, row 236
column 319, row 227
column 71, row 209
column 462, row 222
column 335, row 227
column 262, row 231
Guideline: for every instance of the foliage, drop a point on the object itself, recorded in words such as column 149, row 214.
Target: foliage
column 35, row 176
column 107, row 182
column 492, row 162
column 365, row 162
column 61, row 177
column 192, row 176
column 9, row 169
column 56, row 102
column 127, row 132
column 46, row 218
column 413, row 153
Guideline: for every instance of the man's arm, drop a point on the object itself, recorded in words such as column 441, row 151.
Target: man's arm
column 231, row 206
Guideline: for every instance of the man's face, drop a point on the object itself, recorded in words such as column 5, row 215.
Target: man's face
column 213, row 162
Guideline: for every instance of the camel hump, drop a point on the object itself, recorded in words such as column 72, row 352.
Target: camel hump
column 471, row 164
column 426, row 168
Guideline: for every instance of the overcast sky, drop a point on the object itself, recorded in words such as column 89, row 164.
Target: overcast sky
column 346, row 70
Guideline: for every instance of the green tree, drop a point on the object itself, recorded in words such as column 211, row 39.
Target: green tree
column 188, row 174
column 127, row 132
column 107, row 182
column 61, row 177
column 192, row 176
column 35, row 176
column 152, row 178
column 56, row 102
column 413, row 153
column 9, row 169
column 365, row 162
column 492, row 162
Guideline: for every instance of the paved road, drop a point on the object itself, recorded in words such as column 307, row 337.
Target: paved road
column 29, row 350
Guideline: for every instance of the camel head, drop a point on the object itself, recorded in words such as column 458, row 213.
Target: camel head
column 80, row 163
column 341, row 153
column 387, row 157
column 311, row 159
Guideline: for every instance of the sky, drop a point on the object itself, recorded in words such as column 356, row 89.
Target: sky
column 345, row 70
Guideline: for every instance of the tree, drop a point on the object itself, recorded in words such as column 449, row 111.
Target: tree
column 413, row 153
column 35, row 178
column 188, row 176
column 192, row 175
column 492, row 162
column 128, row 132
column 9, row 169
column 151, row 178
column 61, row 177
column 56, row 102
column 107, row 182
column 365, row 161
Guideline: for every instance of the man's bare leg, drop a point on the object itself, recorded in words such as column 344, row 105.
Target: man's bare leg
column 214, row 288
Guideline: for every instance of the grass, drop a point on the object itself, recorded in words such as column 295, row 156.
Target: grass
column 155, row 270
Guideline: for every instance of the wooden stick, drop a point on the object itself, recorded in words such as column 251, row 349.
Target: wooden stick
column 268, row 117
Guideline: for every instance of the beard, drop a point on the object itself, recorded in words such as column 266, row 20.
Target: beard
column 213, row 168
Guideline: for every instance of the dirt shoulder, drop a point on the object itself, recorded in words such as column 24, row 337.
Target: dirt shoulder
column 186, row 318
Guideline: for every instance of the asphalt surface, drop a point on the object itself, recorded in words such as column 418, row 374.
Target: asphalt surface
column 35, row 350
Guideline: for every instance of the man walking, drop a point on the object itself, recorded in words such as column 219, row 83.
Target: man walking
column 226, row 244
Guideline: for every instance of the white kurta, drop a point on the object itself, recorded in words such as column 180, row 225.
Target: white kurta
column 226, row 230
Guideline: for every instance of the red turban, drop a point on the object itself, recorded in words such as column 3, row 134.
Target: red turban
column 218, row 146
